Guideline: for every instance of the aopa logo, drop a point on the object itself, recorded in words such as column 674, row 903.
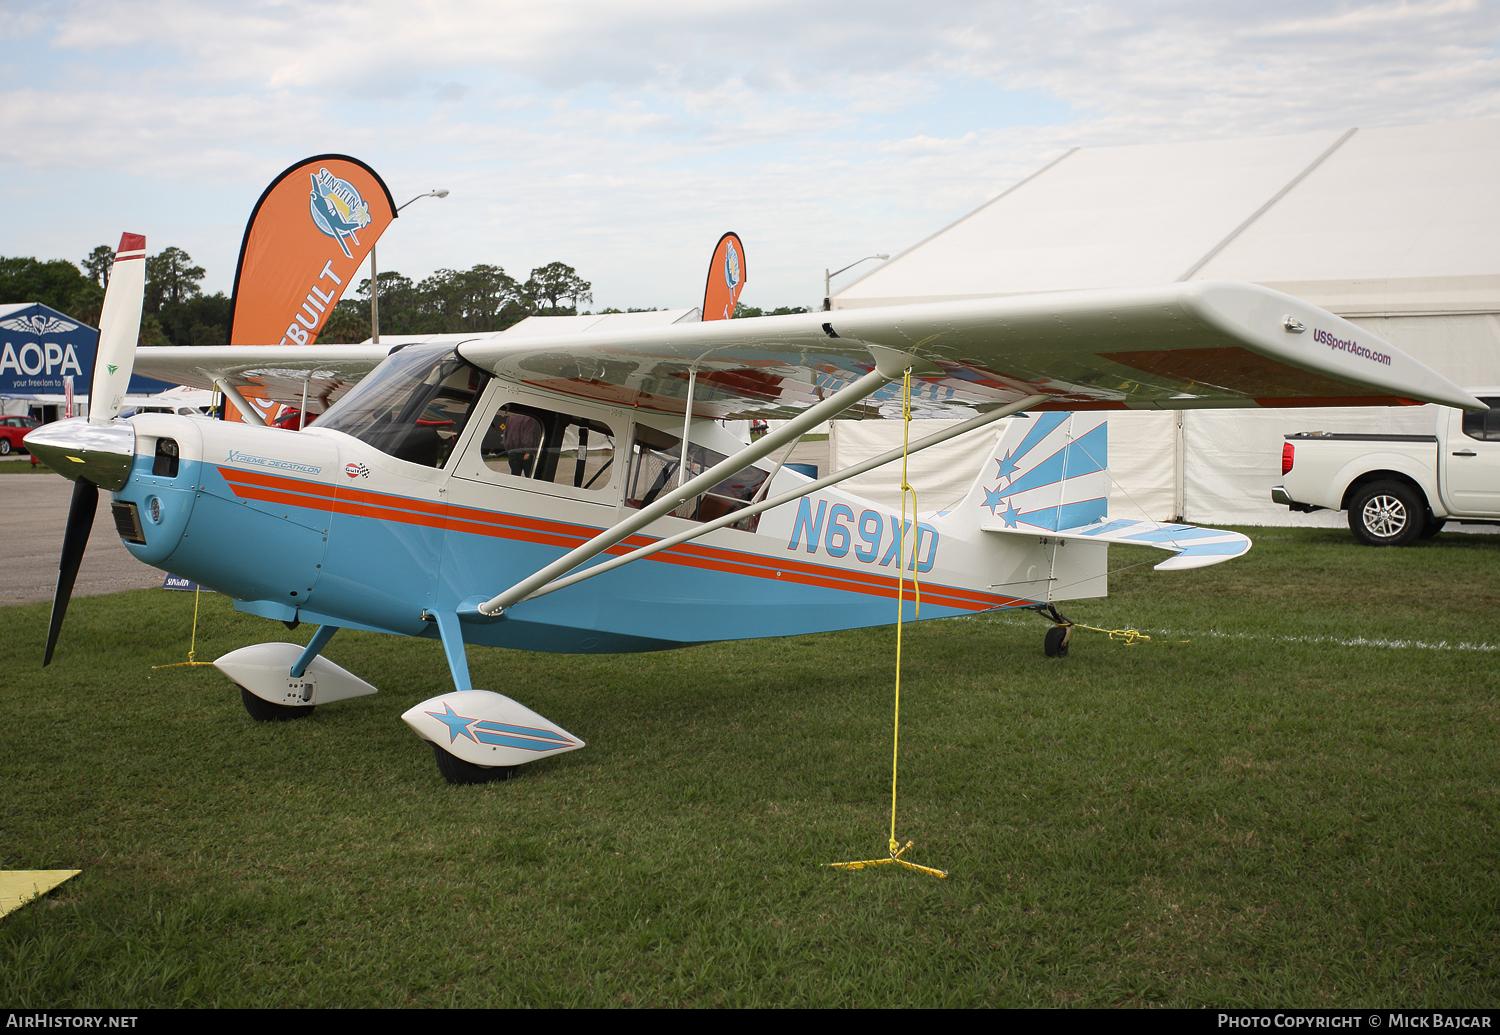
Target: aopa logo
column 337, row 208
column 38, row 325
column 731, row 267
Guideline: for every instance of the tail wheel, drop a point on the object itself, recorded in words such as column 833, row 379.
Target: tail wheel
column 262, row 710
column 458, row 772
column 1056, row 643
column 1387, row 514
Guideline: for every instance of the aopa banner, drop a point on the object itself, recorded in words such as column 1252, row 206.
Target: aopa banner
column 40, row 347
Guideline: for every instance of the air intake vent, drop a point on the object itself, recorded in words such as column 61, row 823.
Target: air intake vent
column 128, row 523
column 165, row 462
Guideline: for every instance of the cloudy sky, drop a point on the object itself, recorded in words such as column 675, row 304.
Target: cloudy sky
column 624, row 137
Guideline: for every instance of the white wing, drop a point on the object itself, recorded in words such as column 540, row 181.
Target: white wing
column 1191, row 345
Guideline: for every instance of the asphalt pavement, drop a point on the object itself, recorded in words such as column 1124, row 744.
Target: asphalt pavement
column 33, row 513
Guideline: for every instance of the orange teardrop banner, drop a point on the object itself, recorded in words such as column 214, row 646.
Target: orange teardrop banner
column 726, row 276
column 303, row 247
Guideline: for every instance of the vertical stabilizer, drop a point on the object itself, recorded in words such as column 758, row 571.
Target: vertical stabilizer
column 1046, row 473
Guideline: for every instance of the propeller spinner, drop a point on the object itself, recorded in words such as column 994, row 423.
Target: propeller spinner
column 96, row 452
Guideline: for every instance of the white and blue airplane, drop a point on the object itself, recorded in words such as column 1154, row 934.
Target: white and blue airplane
column 574, row 493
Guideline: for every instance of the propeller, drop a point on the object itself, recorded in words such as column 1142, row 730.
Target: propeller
column 119, row 329
column 75, row 538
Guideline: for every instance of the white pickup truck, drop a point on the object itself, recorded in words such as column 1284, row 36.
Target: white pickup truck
column 1400, row 488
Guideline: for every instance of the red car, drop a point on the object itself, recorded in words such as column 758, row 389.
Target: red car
column 12, row 430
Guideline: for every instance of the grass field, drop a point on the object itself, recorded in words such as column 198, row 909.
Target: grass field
column 11, row 465
column 1287, row 797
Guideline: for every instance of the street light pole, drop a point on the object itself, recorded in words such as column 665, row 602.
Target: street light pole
column 375, row 275
column 827, row 295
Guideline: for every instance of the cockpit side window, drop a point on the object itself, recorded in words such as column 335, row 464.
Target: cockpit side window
column 414, row 406
column 656, row 459
column 547, row 446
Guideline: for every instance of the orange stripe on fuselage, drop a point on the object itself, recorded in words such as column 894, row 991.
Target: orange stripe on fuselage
column 269, row 488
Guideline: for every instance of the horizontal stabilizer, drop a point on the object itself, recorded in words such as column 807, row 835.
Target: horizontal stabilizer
column 1192, row 547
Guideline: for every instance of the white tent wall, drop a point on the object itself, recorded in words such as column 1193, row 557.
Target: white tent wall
column 940, row 475
column 1143, row 464
column 1141, row 461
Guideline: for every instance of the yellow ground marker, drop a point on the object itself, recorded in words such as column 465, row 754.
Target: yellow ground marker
column 18, row 887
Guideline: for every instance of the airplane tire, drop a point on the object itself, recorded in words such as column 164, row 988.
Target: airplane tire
column 262, row 710
column 1387, row 514
column 460, row 773
column 1056, row 643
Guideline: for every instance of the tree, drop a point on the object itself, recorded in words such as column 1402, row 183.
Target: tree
column 549, row 285
column 98, row 264
column 151, row 332
column 400, row 312
column 200, row 320
column 171, row 279
column 56, row 283
column 479, row 299
column 348, row 324
column 176, row 312
column 746, row 312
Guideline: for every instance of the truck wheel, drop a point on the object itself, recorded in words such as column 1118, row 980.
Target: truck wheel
column 1386, row 514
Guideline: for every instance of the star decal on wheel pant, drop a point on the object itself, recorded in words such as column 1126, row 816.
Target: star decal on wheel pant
column 456, row 723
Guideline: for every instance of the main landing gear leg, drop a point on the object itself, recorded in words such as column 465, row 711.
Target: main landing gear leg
column 454, row 769
column 1055, row 645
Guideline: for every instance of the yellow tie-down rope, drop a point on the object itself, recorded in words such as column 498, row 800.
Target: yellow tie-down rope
column 1129, row 637
column 192, row 643
column 895, row 848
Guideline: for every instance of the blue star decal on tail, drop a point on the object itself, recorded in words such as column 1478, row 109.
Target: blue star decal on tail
column 456, row 723
column 1008, row 465
column 991, row 499
column 1011, row 515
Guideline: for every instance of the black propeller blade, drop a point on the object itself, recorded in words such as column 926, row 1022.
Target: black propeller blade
column 75, row 540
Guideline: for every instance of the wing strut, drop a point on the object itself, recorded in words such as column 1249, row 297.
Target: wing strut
column 841, row 400
column 786, row 497
column 247, row 412
column 687, row 425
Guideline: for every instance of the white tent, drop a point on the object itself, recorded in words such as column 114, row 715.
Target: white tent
column 1395, row 229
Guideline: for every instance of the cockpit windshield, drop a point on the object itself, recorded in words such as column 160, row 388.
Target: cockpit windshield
column 413, row 406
